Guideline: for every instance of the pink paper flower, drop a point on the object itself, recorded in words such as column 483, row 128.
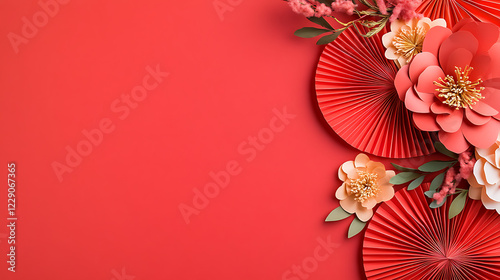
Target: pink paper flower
column 366, row 183
column 310, row 8
column 406, row 38
column 404, row 9
column 451, row 87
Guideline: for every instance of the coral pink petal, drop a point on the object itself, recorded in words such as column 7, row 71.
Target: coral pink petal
column 462, row 23
column 419, row 63
column 464, row 39
column 454, row 142
column 481, row 64
column 428, row 77
column 475, row 118
column 414, row 103
column 484, row 109
column 441, row 108
column 486, row 33
column 457, row 58
column 425, row 122
column 434, row 38
column 428, row 98
column 402, row 82
column 494, row 71
column 481, row 136
column 452, row 122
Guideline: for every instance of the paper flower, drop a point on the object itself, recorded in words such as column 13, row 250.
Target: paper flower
column 366, row 183
column 357, row 97
column 450, row 85
column 455, row 10
column 485, row 182
column 407, row 240
column 407, row 38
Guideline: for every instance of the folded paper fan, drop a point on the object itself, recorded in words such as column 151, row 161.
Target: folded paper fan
column 356, row 94
column 408, row 240
column 455, row 10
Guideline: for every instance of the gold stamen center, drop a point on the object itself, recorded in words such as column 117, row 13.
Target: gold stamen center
column 409, row 42
column 365, row 186
column 461, row 93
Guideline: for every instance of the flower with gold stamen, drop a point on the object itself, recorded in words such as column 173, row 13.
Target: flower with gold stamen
column 406, row 38
column 366, row 183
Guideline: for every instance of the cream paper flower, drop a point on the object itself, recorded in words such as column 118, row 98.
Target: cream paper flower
column 406, row 38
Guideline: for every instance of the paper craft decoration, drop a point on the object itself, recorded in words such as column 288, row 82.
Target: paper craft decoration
column 356, row 94
column 455, row 10
column 408, row 240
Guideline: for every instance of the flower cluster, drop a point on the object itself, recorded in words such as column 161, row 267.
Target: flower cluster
column 310, row 8
column 452, row 178
column 403, row 9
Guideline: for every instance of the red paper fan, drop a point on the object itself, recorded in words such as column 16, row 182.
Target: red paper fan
column 455, row 10
column 356, row 94
column 406, row 239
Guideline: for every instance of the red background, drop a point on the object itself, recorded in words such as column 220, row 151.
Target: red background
column 119, row 208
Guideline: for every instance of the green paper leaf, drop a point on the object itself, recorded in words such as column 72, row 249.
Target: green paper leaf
column 328, row 38
column 435, row 205
column 437, row 181
column 417, row 182
column 404, row 177
column 436, row 165
column 457, row 205
column 309, row 32
column 377, row 29
column 442, row 149
column 402, row 168
column 337, row 214
column 429, row 194
column 356, row 227
column 321, row 21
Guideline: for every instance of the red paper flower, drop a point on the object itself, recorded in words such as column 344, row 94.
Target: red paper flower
column 450, row 86
column 408, row 240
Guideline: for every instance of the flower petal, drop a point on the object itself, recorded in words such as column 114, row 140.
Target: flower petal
column 415, row 104
column 454, row 142
column 402, row 82
column 464, row 39
column 481, row 136
column 475, row 118
column 484, row 109
column 488, row 202
column 361, row 160
column 479, row 171
column 441, row 108
column 457, row 58
column 349, row 204
column 364, row 214
column 493, row 192
column 486, row 33
column 341, row 192
column 434, row 38
column 426, row 80
column 369, row 203
column 386, row 193
column 425, row 122
column 452, row 122
column 492, row 174
column 421, row 62
column 342, row 174
column 387, row 39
